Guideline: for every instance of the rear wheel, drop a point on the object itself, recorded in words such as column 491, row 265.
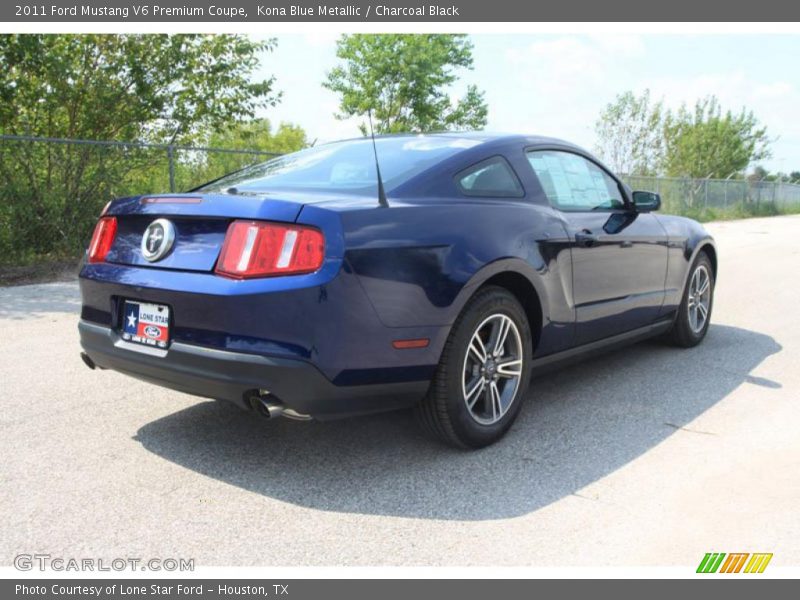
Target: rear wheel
column 694, row 314
column 483, row 374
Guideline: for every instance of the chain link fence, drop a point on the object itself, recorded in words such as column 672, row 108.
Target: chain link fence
column 692, row 197
column 53, row 188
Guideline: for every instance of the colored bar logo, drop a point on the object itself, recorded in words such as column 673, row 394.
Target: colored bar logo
column 719, row 562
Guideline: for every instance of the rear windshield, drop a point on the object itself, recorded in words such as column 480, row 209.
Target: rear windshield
column 344, row 166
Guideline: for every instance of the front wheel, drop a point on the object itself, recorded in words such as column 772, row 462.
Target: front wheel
column 483, row 374
column 694, row 313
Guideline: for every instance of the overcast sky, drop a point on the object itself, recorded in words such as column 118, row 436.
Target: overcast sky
column 558, row 84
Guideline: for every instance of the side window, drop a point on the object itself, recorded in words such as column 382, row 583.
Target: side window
column 572, row 182
column 492, row 177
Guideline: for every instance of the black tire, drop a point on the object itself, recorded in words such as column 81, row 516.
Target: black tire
column 444, row 412
column 682, row 333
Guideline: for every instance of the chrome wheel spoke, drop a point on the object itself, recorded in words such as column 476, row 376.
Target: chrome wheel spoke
column 704, row 287
column 477, row 348
column 703, row 310
column 474, row 392
column 510, row 368
column 500, row 335
column 497, row 406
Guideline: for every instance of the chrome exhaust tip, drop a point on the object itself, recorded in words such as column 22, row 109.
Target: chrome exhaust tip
column 270, row 407
column 290, row 413
column 88, row 361
column 265, row 404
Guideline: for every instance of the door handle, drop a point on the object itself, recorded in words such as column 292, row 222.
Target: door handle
column 585, row 238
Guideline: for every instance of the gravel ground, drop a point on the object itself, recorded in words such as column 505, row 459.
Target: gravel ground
column 648, row 456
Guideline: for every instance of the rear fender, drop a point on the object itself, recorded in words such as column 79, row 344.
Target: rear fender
column 506, row 265
column 554, row 333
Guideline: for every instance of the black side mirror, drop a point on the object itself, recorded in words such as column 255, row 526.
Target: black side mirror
column 646, row 201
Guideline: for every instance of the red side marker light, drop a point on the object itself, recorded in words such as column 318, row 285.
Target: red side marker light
column 405, row 344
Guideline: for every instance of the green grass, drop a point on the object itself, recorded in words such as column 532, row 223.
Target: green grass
column 734, row 212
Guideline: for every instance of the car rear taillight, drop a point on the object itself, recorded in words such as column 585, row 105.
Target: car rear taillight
column 261, row 249
column 102, row 239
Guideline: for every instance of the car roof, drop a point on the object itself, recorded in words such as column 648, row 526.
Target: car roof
column 485, row 137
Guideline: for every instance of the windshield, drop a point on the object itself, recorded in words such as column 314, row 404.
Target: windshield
column 344, row 166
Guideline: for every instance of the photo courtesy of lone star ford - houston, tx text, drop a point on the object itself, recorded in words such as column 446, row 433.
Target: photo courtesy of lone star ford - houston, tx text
column 397, row 299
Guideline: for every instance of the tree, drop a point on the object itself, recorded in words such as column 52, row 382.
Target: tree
column 248, row 135
column 759, row 174
column 152, row 88
column 404, row 80
column 129, row 87
column 630, row 134
column 705, row 142
column 258, row 135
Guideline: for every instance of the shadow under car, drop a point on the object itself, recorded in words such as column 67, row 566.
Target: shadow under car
column 577, row 426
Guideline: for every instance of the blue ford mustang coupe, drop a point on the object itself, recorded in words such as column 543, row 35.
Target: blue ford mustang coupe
column 435, row 271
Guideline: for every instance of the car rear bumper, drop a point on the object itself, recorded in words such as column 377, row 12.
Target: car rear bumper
column 234, row 376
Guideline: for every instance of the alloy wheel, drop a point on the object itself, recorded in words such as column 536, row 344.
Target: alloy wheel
column 699, row 300
column 492, row 369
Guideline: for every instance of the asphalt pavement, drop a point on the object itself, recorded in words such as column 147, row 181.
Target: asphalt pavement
column 650, row 455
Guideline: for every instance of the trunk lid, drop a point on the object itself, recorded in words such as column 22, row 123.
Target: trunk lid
column 200, row 221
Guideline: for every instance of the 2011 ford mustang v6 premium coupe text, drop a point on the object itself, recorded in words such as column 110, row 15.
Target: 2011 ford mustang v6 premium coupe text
column 435, row 271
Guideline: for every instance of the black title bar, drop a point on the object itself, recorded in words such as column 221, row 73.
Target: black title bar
column 49, row 11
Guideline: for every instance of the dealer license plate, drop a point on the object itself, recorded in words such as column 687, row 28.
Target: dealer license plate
column 144, row 323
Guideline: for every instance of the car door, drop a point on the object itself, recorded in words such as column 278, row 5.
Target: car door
column 619, row 256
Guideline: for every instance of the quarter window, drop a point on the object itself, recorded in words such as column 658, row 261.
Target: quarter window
column 573, row 183
column 493, row 177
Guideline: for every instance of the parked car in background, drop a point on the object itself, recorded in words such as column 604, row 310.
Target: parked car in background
column 310, row 287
